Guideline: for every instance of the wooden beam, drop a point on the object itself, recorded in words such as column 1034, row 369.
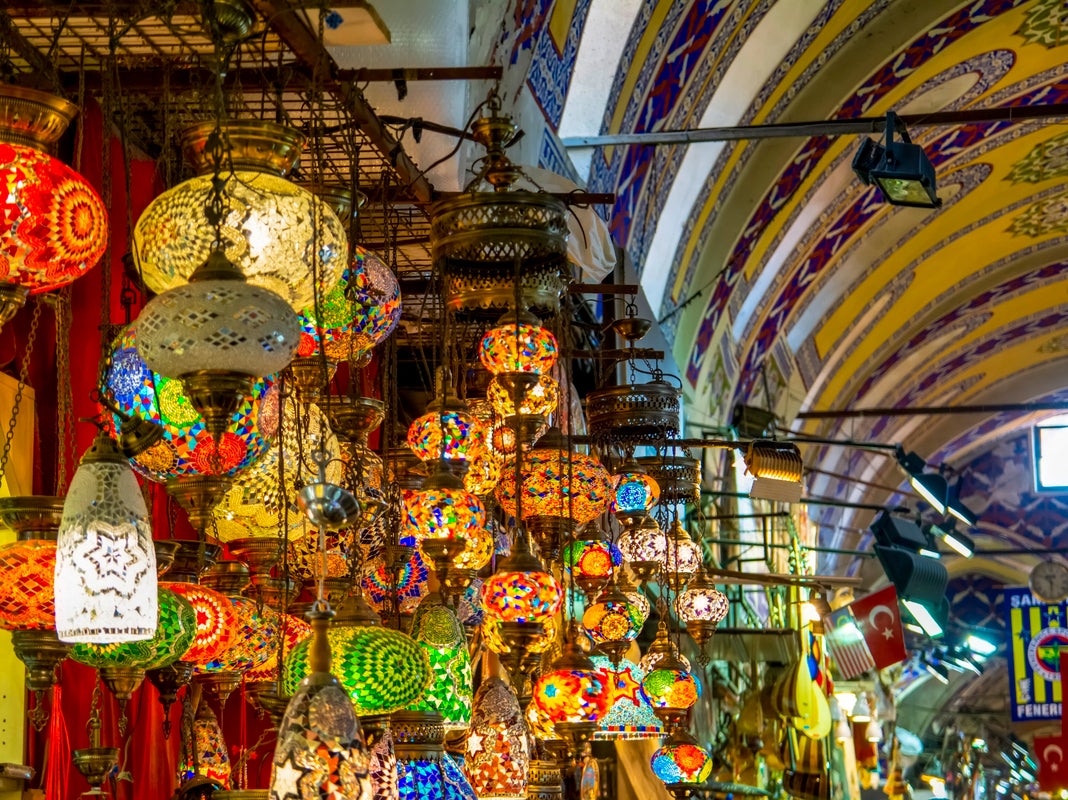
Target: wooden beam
column 304, row 44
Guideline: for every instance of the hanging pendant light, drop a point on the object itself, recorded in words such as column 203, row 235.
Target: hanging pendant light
column 438, row 632
column 702, row 607
column 497, row 753
column 629, row 714
column 573, row 696
column 105, row 575
column 54, row 225
column 424, row 769
column 279, row 235
column 320, row 753
column 613, row 622
column 217, row 334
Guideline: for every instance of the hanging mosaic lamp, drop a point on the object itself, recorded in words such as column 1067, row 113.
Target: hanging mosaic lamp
column 279, row 235
column 27, row 572
column 217, row 622
column 105, row 562
column 545, row 638
column 424, row 770
column 518, row 343
column 634, row 493
column 562, row 489
column 295, row 631
column 442, row 510
column 186, row 447
column 702, row 607
column 672, row 690
column 320, row 752
column 375, row 297
column 539, row 400
column 591, row 559
column 217, row 334
column 573, row 696
column 382, row 670
column 681, row 760
column 613, row 622
column 436, row 630
column 683, row 557
column 644, row 548
column 54, row 225
column 497, row 752
column 448, row 430
column 629, row 714
column 521, row 590
column 211, row 760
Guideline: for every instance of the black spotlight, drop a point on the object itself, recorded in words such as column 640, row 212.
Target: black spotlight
column 931, row 486
column 920, row 583
column 900, row 169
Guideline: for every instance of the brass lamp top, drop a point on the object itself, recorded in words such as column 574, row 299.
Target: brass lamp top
column 255, row 145
column 33, row 118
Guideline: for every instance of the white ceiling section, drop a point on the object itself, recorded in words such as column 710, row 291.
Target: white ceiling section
column 423, row 34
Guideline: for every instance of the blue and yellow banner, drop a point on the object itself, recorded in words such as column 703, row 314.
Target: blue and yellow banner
column 1038, row 631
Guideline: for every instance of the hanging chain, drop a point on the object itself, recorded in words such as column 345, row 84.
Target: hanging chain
column 64, row 391
column 24, row 371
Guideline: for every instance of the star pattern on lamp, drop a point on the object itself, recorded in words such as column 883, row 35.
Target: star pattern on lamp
column 287, row 775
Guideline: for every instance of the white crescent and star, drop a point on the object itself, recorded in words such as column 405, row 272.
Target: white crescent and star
column 873, row 620
column 1055, row 765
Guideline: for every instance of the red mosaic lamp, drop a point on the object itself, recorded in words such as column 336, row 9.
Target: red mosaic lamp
column 53, row 224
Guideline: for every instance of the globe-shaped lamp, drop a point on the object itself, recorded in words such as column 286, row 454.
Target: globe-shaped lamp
column 681, row 760
column 53, row 224
column 683, row 557
column 217, row 624
column 440, row 635
column 671, row 689
column 591, row 560
column 518, row 343
column 634, row 493
column 27, row 598
column 280, row 236
column 613, row 622
column 173, row 637
column 702, row 607
column 629, row 714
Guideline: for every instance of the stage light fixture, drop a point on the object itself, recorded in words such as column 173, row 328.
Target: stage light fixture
column 900, row 169
column 894, row 531
column 931, row 486
column 979, row 645
column 957, row 508
column 777, row 470
column 920, row 583
column 937, row 671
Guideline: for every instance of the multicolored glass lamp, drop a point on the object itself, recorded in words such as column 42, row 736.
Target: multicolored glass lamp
column 448, row 430
column 375, row 296
column 644, row 548
column 27, row 598
column 629, row 714
column 105, row 561
column 521, row 598
column 424, row 770
column 681, row 762
column 320, row 753
column 518, row 344
column 217, row 334
column 54, row 225
column 186, row 447
column 672, row 690
column 613, row 622
column 562, row 489
column 383, row 670
column 497, row 752
column 208, row 757
column 634, row 494
column 573, row 696
column 438, row 632
column 591, row 560
column 702, row 607
column 279, row 235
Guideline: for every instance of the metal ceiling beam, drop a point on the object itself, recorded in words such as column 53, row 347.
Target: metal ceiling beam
column 910, row 411
column 299, row 38
column 10, row 33
column 833, row 127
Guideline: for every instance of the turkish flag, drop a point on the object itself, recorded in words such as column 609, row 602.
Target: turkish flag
column 879, row 619
column 1050, row 754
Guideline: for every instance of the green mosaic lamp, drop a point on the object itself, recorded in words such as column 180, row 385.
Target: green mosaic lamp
column 383, row 670
column 439, row 633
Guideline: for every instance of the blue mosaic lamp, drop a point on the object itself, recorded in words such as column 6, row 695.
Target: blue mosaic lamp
column 424, row 770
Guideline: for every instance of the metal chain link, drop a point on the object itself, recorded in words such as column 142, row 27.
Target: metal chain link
column 64, row 391
column 24, row 371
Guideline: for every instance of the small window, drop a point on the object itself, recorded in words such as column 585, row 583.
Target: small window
column 1050, row 451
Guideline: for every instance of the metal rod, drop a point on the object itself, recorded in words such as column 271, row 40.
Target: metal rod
column 801, row 439
column 815, row 501
column 490, row 73
column 833, row 127
column 773, row 515
column 783, row 546
column 986, row 408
